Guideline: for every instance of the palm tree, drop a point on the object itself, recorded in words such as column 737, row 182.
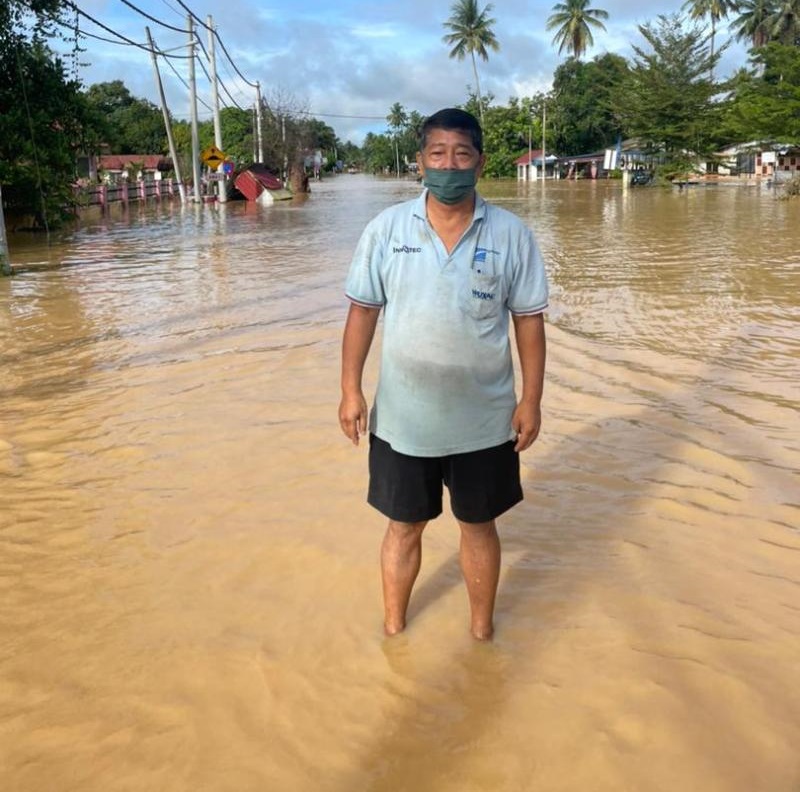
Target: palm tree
column 471, row 32
column 574, row 22
column 754, row 21
column 786, row 22
column 397, row 120
column 715, row 9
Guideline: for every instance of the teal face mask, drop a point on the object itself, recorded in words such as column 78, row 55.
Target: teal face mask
column 449, row 186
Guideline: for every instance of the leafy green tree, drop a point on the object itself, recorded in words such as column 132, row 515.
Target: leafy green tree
column 132, row 125
column 585, row 99
column 754, row 21
column 351, row 155
column 236, row 126
column 378, row 153
column 471, row 33
column 766, row 104
column 506, row 133
column 44, row 120
column 670, row 101
column 575, row 22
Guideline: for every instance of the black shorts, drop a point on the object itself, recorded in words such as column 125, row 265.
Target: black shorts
column 482, row 484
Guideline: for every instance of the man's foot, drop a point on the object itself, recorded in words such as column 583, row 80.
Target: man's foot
column 482, row 632
column 391, row 628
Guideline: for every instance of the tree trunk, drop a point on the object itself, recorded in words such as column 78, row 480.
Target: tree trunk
column 477, row 87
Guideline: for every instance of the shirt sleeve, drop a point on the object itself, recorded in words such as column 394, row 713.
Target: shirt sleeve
column 529, row 291
column 364, row 284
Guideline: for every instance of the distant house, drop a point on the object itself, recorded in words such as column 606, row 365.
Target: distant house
column 630, row 155
column 529, row 165
column 114, row 168
column 774, row 160
column 582, row 166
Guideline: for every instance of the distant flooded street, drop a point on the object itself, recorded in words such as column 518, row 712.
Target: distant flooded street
column 189, row 584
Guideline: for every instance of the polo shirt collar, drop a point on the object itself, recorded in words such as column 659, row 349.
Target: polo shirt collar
column 419, row 206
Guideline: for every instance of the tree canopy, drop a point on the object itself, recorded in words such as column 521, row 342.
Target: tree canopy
column 471, row 34
column 574, row 22
column 671, row 102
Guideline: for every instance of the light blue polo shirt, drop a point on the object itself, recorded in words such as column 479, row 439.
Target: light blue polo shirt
column 446, row 382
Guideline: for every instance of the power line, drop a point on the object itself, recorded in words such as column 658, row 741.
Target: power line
column 334, row 115
column 219, row 39
column 113, row 32
column 224, row 87
column 152, row 18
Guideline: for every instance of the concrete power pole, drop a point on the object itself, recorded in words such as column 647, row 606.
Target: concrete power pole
column 544, row 124
column 222, row 186
column 5, row 261
column 167, row 125
column 193, row 110
column 259, row 139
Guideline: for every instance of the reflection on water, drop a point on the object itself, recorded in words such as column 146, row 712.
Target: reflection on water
column 188, row 571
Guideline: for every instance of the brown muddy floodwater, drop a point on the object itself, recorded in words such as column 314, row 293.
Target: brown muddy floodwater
column 189, row 589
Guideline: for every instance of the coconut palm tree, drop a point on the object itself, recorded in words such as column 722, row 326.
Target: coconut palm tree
column 786, row 22
column 397, row 119
column 715, row 10
column 471, row 32
column 755, row 21
column 575, row 22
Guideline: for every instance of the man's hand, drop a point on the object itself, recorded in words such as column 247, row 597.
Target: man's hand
column 526, row 422
column 353, row 415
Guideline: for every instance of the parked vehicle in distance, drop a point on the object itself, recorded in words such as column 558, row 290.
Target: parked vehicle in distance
column 641, row 177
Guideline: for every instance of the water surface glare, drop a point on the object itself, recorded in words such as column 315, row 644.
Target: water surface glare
column 189, row 589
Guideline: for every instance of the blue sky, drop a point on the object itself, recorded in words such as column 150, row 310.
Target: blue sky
column 348, row 61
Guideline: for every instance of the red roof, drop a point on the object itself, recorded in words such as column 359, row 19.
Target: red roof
column 119, row 162
column 252, row 181
column 526, row 158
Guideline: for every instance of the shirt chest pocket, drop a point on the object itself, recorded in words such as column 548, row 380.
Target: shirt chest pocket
column 481, row 297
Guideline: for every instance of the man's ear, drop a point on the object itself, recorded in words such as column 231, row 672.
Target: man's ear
column 481, row 163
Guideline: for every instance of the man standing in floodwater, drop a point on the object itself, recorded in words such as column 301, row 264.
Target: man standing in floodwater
column 447, row 269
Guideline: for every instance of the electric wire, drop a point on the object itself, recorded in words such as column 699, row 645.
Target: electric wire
column 219, row 39
column 186, row 86
column 113, row 32
column 220, row 83
column 152, row 18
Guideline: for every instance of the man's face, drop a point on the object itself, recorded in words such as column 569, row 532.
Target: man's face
column 447, row 149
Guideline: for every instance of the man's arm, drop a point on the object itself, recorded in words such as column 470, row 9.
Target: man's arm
column 527, row 418
column 359, row 330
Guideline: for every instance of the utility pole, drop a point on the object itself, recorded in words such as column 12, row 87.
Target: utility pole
column 530, row 150
column 193, row 109
column 222, row 185
column 259, row 139
column 167, row 123
column 544, row 124
column 5, row 261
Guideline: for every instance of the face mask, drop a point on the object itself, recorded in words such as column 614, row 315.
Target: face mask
column 449, row 186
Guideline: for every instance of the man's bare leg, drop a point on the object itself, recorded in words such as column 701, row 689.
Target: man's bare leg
column 401, row 556
column 480, row 565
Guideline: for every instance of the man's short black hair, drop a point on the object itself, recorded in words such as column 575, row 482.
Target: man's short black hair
column 455, row 120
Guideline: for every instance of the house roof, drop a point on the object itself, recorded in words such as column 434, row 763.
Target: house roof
column 597, row 156
column 119, row 162
column 534, row 156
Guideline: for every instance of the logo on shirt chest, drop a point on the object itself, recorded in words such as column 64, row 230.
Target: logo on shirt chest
column 406, row 249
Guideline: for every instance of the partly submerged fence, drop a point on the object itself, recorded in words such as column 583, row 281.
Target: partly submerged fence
column 104, row 194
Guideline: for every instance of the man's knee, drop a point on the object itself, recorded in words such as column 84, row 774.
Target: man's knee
column 477, row 530
column 406, row 532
